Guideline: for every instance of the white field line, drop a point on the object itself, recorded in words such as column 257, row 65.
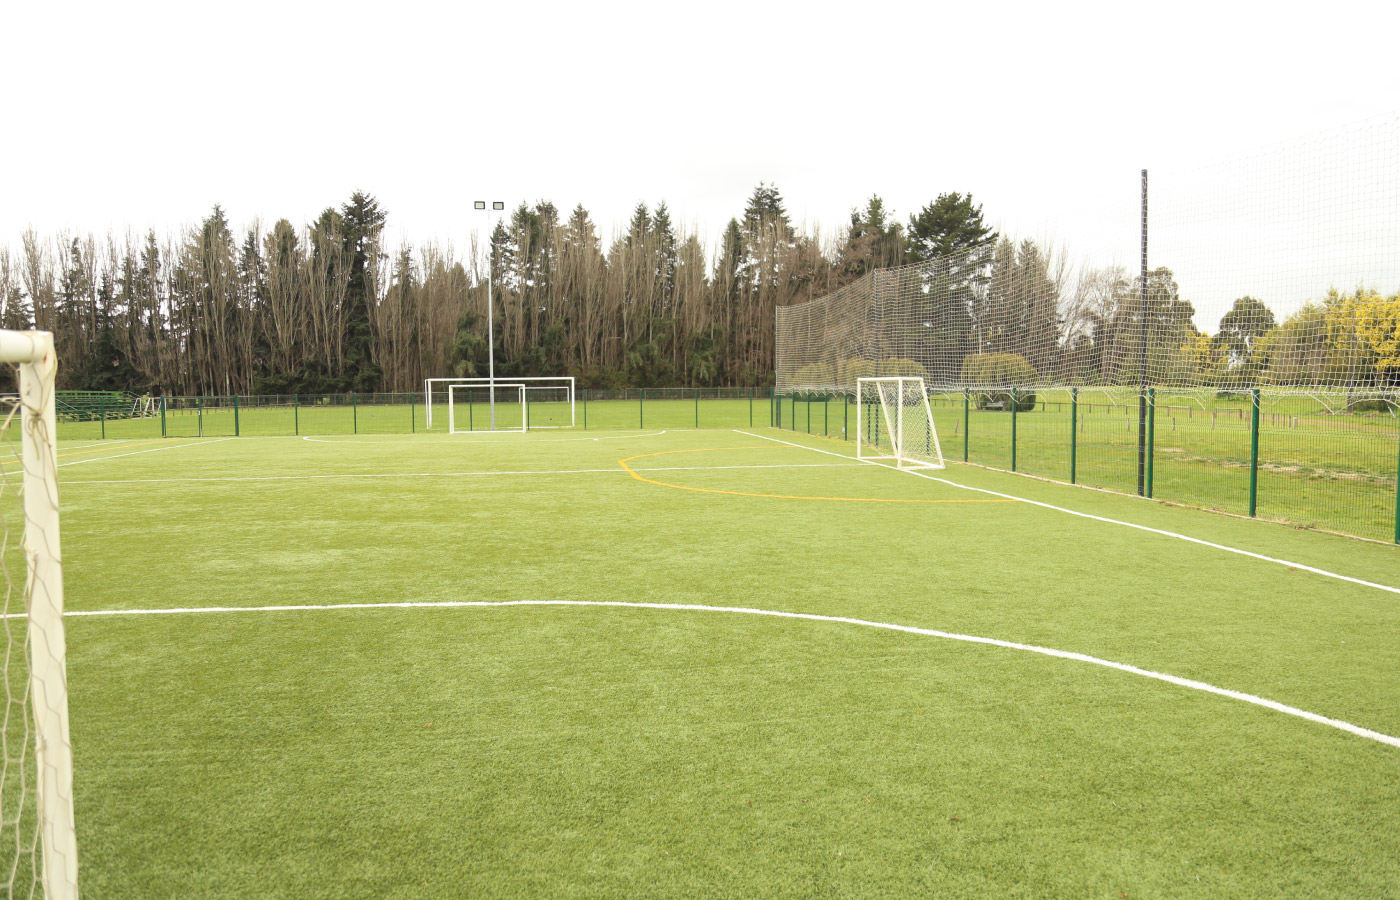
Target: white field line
column 195, row 443
column 112, row 442
column 1083, row 515
column 1189, row 683
column 612, row 470
column 509, row 438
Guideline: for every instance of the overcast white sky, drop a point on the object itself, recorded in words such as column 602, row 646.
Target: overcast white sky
column 143, row 114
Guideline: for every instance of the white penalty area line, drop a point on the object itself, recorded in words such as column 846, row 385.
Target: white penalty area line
column 612, row 471
column 1189, row 683
column 505, row 438
column 1083, row 515
column 194, row 443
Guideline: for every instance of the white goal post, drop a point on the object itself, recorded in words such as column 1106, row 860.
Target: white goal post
column 894, row 422
column 39, row 853
column 499, row 395
column 559, row 382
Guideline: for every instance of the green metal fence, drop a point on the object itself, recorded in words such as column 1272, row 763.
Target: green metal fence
column 1316, row 459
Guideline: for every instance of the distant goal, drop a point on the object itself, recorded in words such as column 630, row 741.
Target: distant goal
column 548, row 400
column 895, row 423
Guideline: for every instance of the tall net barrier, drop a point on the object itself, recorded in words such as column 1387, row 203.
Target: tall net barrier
column 1241, row 354
column 38, row 856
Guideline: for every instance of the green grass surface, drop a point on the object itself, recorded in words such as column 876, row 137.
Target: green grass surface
column 613, row 752
column 1318, row 467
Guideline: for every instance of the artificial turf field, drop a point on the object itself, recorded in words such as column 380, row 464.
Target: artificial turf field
column 537, row 750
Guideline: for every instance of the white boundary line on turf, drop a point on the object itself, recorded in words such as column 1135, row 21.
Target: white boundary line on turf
column 1084, row 515
column 611, row 470
column 1192, row 684
column 194, row 443
column 508, row 438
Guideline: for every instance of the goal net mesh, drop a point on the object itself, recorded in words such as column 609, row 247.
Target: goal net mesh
column 471, row 408
column 1280, row 269
column 894, row 422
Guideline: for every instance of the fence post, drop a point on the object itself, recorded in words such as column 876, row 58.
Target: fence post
column 1397, row 496
column 697, row 407
column 1151, row 434
column 641, row 408
column 102, row 414
column 845, row 418
column 354, row 413
column 296, row 416
column 235, row 415
column 1073, row 432
column 809, row 413
column 1254, row 453
column 967, row 418
column 826, row 415
column 1013, row 429
column 585, row 410
column 750, row 406
column 794, row 413
column 199, row 401
column 162, row 415
column 412, row 413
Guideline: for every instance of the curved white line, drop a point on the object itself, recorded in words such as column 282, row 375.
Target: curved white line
column 811, row 617
column 507, row 439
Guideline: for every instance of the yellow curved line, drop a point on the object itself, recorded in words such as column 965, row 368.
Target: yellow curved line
column 699, row 490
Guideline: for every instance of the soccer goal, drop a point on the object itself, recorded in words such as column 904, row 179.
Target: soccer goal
column 894, row 422
column 559, row 396
column 38, row 847
column 481, row 407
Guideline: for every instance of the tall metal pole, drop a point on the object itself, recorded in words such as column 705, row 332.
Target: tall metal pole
column 490, row 321
column 1142, row 349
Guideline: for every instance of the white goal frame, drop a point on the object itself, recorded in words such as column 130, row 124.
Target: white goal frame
column 518, row 389
column 564, row 381
column 33, row 352
column 898, row 420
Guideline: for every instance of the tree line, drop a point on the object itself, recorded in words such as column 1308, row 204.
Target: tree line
column 329, row 307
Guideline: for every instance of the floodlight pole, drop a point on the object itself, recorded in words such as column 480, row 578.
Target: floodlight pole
column 1142, row 350
column 490, row 306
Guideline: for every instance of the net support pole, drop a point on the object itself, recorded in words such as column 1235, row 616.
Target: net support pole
column 1151, row 435
column 967, row 419
column 1142, row 350
column 1013, row 429
column 53, row 753
column 1397, row 490
column 1073, row 433
column 1254, row 453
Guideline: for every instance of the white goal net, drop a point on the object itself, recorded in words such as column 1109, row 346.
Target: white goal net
column 894, row 422
column 479, row 407
column 38, row 849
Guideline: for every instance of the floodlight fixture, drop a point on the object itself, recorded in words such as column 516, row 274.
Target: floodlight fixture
column 480, row 204
column 496, row 204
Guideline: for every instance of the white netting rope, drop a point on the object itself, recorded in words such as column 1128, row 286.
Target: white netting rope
column 1281, row 270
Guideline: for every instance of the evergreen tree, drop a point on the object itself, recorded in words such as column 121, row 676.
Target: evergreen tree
column 363, row 222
